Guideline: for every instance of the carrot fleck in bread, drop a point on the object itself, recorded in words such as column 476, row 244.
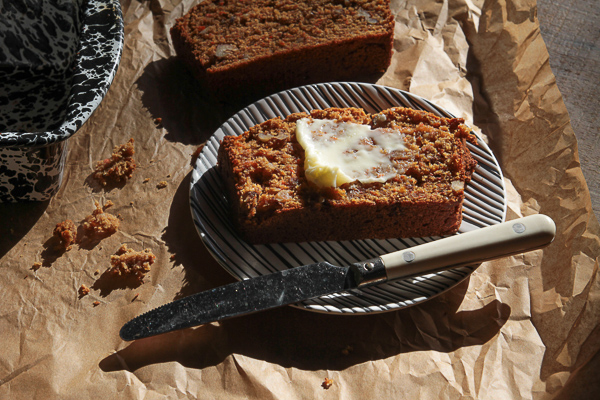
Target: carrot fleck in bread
column 416, row 189
column 128, row 262
column 119, row 167
column 263, row 46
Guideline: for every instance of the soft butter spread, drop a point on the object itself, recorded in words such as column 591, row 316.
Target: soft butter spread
column 342, row 152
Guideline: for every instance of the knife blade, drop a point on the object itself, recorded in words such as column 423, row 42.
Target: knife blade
column 320, row 279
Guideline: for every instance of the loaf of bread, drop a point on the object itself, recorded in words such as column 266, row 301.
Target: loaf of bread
column 412, row 183
column 258, row 47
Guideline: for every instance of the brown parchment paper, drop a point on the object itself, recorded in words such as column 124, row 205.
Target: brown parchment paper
column 519, row 328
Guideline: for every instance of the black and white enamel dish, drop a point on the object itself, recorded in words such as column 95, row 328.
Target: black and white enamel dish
column 57, row 61
column 484, row 205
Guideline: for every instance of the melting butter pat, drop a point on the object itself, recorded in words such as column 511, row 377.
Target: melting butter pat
column 340, row 152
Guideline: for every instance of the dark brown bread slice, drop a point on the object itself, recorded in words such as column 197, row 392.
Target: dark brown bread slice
column 258, row 47
column 272, row 201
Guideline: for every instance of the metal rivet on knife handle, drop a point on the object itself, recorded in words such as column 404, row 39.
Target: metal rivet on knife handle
column 519, row 228
column 408, row 256
column 369, row 272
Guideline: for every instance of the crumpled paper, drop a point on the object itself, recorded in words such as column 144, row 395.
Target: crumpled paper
column 521, row 327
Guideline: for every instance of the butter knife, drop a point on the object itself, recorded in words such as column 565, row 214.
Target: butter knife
column 319, row 279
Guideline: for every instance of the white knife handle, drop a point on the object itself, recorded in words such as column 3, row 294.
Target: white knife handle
column 500, row 240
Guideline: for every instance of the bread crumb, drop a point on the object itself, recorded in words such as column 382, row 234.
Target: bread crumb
column 36, row 265
column 146, row 180
column 127, row 261
column 84, row 290
column 96, row 272
column 99, row 223
column 158, row 122
column 196, row 153
column 119, row 167
column 347, row 350
column 96, row 303
column 66, row 232
column 135, row 297
column 327, row 383
column 162, row 184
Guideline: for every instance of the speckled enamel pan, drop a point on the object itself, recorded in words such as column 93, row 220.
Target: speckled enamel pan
column 57, row 63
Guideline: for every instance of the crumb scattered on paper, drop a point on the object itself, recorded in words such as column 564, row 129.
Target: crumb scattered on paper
column 66, row 232
column 347, row 350
column 84, row 290
column 119, row 167
column 36, row 265
column 128, row 262
column 327, row 383
column 100, row 223
column 162, row 184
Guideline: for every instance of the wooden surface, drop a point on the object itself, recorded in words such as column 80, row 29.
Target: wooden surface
column 571, row 31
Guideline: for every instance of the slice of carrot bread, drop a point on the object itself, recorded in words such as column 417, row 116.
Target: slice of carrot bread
column 307, row 178
column 259, row 47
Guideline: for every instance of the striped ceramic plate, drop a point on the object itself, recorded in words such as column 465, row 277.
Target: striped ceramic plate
column 485, row 204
